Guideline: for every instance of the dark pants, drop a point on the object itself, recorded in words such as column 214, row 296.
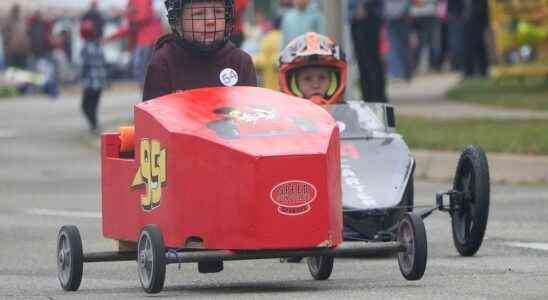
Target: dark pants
column 425, row 28
column 365, row 36
column 17, row 60
column 475, row 52
column 400, row 51
column 90, row 101
column 441, row 39
column 456, row 40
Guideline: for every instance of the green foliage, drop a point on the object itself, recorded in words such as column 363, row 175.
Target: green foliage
column 8, row 91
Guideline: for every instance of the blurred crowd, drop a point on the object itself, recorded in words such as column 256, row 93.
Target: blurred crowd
column 390, row 38
column 40, row 50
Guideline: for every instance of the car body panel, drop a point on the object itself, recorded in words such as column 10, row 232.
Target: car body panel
column 257, row 189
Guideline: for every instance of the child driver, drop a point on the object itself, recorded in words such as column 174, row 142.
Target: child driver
column 313, row 67
column 198, row 52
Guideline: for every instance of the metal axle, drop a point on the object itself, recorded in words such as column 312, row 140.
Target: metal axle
column 344, row 250
column 172, row 257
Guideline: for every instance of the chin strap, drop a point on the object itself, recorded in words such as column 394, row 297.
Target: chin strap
column 319, row 100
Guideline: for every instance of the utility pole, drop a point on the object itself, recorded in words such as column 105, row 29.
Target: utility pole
column 334, row 19
column 337, row 27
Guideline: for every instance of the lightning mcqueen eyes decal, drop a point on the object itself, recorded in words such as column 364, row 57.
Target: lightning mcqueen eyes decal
column 151, row 173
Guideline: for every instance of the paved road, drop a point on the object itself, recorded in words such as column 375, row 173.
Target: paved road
column 49, row 177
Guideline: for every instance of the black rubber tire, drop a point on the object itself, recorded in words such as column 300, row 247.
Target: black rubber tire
column 70, row 258
column 412, row 233
column 320, row 267
column 151, row 251
column 475, row 212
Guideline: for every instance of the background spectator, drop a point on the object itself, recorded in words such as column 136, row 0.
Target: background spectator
column 396, row 13
column 266, row 61
column 94, row 74
column 455, row 19
column 476, row 22
column 40, row 36
column 42, row 45
column 16, row 40
column 441, row 36
column 366, row 22
column 423, row 13
column 143, row 27
column 283, row 7
column 238, row 34
column 95, row 16
column 300, row 19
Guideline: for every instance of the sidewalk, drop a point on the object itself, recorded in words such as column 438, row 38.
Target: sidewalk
column 425, row 97
column 503, row 168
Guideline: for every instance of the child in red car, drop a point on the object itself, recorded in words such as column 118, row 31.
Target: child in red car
column 198, row 52
column 313, row 67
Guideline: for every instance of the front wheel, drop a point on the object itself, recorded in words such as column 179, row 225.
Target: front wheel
column 151, row 260
column 320, row 267
column 412, row 234
column 70, row 258
column 471, row 209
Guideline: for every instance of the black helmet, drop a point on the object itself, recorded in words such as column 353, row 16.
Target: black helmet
column 175, row 9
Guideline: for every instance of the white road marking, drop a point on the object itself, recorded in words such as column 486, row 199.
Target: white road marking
column 536, row 246
column 7, row 133
column 63, row 213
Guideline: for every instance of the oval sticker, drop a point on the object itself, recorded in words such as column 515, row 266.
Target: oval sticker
column 293, row 197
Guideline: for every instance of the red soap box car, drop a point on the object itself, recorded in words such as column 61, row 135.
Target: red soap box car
column 219, row 174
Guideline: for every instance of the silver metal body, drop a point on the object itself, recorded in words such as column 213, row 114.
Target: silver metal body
column 375, row 163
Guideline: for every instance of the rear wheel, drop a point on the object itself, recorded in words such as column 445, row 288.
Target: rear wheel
column 320, row 267
column 471, row 209
column 151, row 261
column 412, row 234
column 70, row 258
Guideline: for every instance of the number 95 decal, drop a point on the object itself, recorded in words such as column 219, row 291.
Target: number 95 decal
column 151, row 173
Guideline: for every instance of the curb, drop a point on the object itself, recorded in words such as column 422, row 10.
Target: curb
column 503, row 168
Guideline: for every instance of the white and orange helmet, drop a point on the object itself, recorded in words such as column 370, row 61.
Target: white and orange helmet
column 313, row 50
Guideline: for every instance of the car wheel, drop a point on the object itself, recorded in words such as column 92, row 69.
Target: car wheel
column 70, row 258
column 151, row 261
column 471, row 211
column 412, row 234
column 320, row 267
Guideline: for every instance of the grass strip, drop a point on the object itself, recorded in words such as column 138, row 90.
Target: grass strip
column 525, row 93
column 501, row 136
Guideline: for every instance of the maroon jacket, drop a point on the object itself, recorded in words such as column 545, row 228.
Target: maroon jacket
column 175, row 68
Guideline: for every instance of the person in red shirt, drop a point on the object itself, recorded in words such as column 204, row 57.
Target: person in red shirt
column 198, row 53
column 144, row 28
column 238, row 35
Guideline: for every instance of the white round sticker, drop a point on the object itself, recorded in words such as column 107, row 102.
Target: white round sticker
column 228, row 77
